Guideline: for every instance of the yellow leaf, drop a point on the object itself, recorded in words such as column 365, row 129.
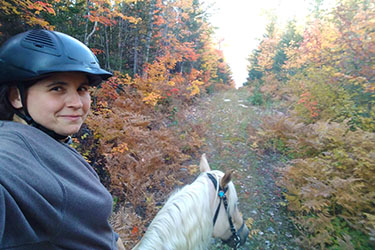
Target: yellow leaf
column 253, row 233
column 151, row 98
column 120, row 148
column 149, row 199
column 196, row 82
column 249, row 222
column 193, row 169
column 371, row 217
column 281, row 203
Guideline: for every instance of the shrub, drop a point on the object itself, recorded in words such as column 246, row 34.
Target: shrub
column 331, row 180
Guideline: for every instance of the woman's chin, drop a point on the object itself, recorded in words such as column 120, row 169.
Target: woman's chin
column 67, row 131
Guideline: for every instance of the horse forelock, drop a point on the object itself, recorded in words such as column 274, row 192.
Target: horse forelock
column 184, row 222
column 231, row 194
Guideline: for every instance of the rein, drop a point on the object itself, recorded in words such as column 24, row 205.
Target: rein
column 235, row 240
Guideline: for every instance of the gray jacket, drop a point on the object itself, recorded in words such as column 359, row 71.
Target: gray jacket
column 50, row 197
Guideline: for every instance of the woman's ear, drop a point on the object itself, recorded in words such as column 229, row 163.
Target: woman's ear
column 15, row 97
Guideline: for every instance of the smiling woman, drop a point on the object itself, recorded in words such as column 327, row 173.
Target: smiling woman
column 59, row 102
column 50, row 197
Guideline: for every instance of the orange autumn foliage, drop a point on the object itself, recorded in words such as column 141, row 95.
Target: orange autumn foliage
column 322, row 82
column 137, row 151
column 28, row 11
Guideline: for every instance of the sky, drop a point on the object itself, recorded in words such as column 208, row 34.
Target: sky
column 241, row 23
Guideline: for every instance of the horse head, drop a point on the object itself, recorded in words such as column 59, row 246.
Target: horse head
column 228, row 222
column 198, row 211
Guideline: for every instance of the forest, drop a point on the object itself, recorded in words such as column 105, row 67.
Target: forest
column 320, row 77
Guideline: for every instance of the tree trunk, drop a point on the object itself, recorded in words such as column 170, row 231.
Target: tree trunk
column 135, row 65
column 149, row 32
column 119, row 45
column 107, row 54
column 122, row 38
column 87, row 36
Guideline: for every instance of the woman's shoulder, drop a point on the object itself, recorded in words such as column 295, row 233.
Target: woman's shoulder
column 13, row 126
column 19, row 141
column 15, row 132
column 10, row 127
column 11, row 133
column 13, row 144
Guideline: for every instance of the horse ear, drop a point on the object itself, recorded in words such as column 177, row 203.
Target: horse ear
column 203, row 165
column 226, row 178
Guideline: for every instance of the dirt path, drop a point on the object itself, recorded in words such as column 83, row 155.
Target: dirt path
column 228, row 146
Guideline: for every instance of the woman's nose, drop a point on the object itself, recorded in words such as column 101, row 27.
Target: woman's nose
column 74, row 100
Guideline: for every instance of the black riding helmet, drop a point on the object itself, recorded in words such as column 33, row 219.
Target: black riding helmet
column 35, row 54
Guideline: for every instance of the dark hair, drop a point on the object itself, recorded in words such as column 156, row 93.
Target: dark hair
column 6, row 109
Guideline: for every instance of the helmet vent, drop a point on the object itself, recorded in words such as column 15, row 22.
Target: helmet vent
column 40, row 39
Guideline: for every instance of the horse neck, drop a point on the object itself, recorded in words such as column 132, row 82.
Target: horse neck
column 184, row 222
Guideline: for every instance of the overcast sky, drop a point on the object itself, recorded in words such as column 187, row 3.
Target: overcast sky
column 241, row 23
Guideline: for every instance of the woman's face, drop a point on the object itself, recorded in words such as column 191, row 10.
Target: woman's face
column 60, row 102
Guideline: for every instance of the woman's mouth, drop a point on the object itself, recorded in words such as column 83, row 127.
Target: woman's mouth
column 71, row 117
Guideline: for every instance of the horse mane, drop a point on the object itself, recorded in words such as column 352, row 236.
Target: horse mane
column 184, row 222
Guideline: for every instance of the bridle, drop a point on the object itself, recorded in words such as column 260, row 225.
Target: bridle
column 234, row 241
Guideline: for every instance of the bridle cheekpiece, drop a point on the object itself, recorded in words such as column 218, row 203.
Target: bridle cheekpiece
column 234, row 241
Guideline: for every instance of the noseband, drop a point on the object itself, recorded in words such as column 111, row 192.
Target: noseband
column 234, row 241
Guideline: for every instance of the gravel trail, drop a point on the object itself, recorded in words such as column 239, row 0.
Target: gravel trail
column 229, row 145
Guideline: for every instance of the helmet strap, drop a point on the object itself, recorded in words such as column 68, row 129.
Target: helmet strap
column 27, row 117
column 25, row 114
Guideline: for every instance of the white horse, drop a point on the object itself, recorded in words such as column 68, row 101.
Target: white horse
column 204, row 209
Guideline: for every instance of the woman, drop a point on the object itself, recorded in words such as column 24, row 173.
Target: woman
column 50, row 197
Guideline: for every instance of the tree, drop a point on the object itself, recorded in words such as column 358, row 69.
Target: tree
column 18, row 15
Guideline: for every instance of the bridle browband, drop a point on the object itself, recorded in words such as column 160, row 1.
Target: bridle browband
column 234, row 241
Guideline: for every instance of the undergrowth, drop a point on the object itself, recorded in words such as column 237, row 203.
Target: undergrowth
column 138, row 151
column 325, row 92
column 329, row 179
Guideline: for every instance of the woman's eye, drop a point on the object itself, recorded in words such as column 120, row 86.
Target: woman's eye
column 57, row 88
column 83, row 88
